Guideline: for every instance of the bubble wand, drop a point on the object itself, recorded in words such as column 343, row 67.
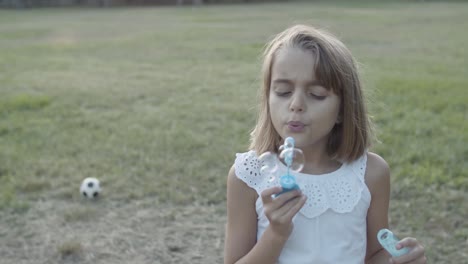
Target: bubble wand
column 288, row 153
column 292, row 157
column 389, row 241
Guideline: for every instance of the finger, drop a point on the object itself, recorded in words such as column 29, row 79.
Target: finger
column 285, row 197
column 267, row 193
column 407, row 242
column 416, row 253
column 279, row 214
column 290, row 209
column 416, row 249
column 296, row 207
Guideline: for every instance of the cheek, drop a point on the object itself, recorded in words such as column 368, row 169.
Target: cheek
column 275, row 114
column 329, row 112
column 334, row 106
column 274, row 107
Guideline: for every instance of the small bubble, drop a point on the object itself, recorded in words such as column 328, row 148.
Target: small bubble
column 289, row 143
column 269, row 162
column 293, row 158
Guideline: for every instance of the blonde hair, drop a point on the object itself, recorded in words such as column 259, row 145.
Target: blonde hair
column 336, row 68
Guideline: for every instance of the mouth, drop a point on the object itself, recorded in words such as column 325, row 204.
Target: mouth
column 296, row 126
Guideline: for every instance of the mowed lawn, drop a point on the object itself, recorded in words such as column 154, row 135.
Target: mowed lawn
column 156, row 101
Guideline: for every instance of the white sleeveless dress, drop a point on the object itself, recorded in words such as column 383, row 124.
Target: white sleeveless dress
column 331, row 227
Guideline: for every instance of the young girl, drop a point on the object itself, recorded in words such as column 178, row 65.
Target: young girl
column 311, row 92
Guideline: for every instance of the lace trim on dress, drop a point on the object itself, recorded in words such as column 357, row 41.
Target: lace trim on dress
column 339, row 191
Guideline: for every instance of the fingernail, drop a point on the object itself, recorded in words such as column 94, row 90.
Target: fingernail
column 390, row 261
column 398, row 246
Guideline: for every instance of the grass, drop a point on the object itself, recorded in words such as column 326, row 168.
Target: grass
column 70, row 249
column 155, row 102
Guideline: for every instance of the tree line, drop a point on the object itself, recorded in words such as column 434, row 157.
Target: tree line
column 110, row 3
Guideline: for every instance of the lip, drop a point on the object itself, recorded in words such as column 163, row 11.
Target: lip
column 296, row 126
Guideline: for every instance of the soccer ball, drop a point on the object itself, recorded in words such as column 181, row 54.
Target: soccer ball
column 90, row 188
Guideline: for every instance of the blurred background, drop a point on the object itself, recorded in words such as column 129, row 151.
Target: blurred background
column 113, row 3
column 154, row 98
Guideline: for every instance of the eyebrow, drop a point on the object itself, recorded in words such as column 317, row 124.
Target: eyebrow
column 287, row 81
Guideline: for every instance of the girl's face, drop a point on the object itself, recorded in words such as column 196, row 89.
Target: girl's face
column 300, row 106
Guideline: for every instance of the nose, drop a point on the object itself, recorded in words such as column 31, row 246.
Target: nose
column 297, row 103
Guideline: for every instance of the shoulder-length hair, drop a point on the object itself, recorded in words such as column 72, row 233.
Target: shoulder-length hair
column 337, row 70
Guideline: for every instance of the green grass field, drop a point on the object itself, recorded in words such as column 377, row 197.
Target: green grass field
column 155, row 102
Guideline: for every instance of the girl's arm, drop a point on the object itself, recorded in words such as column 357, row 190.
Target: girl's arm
column 378, row 180
column 241, row 244
column 241, row 227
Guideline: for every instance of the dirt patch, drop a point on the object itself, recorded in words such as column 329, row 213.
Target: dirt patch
column 140, row 231
column 112, row 232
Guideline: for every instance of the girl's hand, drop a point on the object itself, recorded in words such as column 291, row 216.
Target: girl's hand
column 416, row 254
column 282, row 209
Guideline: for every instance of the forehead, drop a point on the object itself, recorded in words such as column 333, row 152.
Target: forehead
column 294, row 64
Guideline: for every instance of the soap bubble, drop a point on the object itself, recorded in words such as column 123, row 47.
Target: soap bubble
column 268, row 161
column 292, row 158
column 289, row 143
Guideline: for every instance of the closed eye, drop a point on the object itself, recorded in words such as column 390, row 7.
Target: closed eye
column 318, row 97
column 283, row 94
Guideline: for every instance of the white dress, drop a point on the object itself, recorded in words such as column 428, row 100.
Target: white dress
column 331, row 226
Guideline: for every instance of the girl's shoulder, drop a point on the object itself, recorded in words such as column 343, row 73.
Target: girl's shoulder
column 247, row 159
column 377, row 175
column 244, row 176
column 247, row 168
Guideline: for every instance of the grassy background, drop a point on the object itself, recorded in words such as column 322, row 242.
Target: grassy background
column 155, row 102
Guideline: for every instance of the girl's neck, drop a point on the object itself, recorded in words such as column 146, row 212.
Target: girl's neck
column 317, row 161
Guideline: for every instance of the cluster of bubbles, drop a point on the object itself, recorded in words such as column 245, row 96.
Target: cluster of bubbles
column 291, row 157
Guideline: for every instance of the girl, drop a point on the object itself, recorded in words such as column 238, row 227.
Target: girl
column 311, row 92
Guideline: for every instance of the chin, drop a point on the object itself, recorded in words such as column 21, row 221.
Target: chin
column 300, row 138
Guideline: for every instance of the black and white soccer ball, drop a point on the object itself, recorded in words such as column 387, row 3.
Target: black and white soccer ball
column 90, row 188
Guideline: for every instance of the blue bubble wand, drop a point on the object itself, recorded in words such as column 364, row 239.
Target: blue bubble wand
column 292, row 157
column 289, row 152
